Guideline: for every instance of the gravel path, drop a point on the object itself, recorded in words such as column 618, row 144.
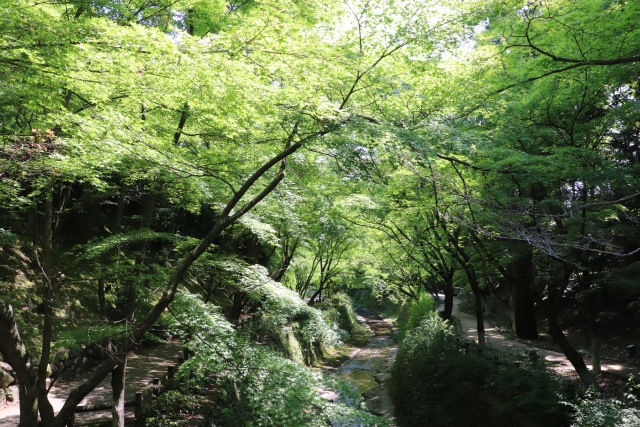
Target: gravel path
column 142, row 368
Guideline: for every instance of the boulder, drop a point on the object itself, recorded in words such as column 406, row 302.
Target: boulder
column 5, row 367
column 5, row 379
column 13, row 393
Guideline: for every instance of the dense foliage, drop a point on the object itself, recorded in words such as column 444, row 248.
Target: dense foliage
column 192, row 162
column 435, row 381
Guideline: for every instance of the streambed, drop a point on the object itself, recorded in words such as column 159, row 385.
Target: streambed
column 368, row 367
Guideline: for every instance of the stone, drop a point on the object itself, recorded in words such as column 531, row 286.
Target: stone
column 5, row 379
column 73, row 353
column 13, row 393
column 3, row 398
column 6, row 367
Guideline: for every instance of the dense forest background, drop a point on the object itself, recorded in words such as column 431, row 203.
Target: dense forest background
column 180, row 162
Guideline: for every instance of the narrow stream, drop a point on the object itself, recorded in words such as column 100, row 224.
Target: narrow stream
column 369, row 367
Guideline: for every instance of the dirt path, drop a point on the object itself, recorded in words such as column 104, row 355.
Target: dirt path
column 556, row 359
column 368, row 367
column 142, row 368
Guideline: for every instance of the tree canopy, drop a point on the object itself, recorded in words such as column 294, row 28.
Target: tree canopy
column 220, row 150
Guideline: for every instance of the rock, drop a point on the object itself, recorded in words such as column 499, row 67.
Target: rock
column 54, row 369
column 3, row 398
column 13, row 393
column 5, row 379
column 328, row 394
column 6, row 367
column 73, row 353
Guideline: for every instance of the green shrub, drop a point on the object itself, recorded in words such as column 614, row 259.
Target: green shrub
column 170, row 408
column 435, row 383
column 279, row 392
column 594, row 411
column 419, row 309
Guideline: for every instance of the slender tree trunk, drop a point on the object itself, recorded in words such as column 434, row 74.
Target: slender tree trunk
column 448, row 297
column 316, row 295
column 479, row 316
column 595, row 353
column 288, row 254
column 117, row 224
column 101, row 298
column 148, row 209
column 46, row 410
column 212, row 288
column 239, row 302
column 118, row 387
column 574, row 357
column 588, row 314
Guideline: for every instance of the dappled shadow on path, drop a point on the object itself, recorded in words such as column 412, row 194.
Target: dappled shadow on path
column 142, row 367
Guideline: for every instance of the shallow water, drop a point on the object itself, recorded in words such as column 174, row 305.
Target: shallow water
column 365, row 367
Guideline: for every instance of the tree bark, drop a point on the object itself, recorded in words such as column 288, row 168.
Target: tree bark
column 46, row 410
column 479, row 315
column 315, row 295
column 148, row 208
column 524, row 314
column 574, row 357
column 117, row 225
column 101, row 298
column 14, row 353
column 588, row 314
column 117, row 388
column 522, row 307
column 239, row 301
column 288, row 253
column 447, row 313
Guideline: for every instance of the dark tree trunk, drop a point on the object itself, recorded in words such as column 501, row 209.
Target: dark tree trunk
column 522, row 307
column 288, row 253
column 588, row 315
column 524, row 314
column 315, row 295
column 117, row 387
column 212, row 288
column 477, row 294
column 101, row 297
column 46, row 410
column 117, row 226
column 448, row 297
column 574, row 357
column 14, row 353
column 148, row 209
column 239, row 301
